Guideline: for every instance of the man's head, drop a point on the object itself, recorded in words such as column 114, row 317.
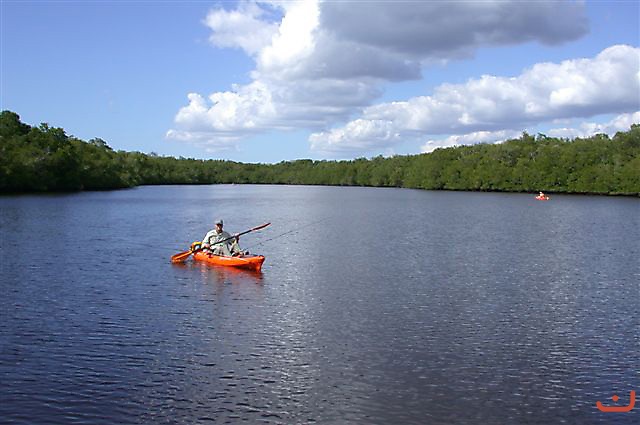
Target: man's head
column 219, row 224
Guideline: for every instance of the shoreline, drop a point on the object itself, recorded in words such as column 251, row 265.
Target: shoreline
column 532, row 192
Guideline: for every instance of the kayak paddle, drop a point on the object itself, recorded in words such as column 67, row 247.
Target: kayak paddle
column 179, row 258
column 182, row 256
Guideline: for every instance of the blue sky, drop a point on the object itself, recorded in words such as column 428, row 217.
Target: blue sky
column 272, row 81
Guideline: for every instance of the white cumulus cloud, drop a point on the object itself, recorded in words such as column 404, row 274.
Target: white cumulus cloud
column 317, row 63
column 359, row 135
column 243, row 28
column 470, row 139
column 621, row 122
column 577, row 88
column 441, row 29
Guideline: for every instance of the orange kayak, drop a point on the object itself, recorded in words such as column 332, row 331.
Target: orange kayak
column 252, row 262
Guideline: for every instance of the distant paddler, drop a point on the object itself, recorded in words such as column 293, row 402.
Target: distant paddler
column 542, row 197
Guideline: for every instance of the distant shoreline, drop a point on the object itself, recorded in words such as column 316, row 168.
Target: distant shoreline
column 68, row 192
column 45, row 159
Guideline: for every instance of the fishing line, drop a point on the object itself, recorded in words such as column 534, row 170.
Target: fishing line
column 297, row 229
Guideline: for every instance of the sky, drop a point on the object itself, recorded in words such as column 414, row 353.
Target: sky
column 255, row 81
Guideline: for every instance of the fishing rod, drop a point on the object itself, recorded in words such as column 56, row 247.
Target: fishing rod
column 297, row 229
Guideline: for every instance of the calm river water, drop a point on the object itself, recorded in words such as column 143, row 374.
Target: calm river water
column 378, row 306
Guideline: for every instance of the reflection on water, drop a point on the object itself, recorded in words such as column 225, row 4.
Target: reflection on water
column 378, row 306
column 228, row 275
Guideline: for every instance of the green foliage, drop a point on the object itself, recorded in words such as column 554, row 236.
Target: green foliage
column 45, row 158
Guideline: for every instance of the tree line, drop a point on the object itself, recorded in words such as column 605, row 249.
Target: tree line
column 43, row 158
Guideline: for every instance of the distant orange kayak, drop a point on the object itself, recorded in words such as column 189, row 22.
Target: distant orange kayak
column 252, row 262
column 542, row 198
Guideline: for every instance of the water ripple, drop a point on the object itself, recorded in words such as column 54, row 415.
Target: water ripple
column 467, row 315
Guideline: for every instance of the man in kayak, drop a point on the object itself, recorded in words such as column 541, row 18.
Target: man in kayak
column 229, row 248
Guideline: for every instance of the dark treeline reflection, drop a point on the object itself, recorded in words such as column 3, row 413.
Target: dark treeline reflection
column 44, row 158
